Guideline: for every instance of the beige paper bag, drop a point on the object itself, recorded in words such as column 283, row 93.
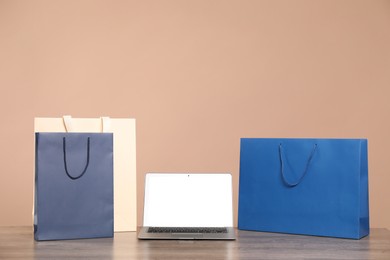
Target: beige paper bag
column 125, row 183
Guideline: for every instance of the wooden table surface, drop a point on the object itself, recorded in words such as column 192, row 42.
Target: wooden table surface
column 18, row 243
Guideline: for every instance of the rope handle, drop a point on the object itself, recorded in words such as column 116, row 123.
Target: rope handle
column 293, row 184
column 105, row 124
column 65, row 164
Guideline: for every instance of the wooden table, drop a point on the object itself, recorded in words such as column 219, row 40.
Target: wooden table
column 18, row 243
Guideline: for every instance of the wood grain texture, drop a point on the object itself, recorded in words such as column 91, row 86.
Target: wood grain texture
column 18, row 243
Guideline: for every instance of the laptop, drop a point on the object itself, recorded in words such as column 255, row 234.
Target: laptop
column 188, row 206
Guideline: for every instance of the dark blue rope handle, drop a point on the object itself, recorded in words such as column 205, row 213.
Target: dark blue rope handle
column 66, row 167
column 304, row 172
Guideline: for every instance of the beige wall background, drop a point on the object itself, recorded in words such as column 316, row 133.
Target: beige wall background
column 197, row 76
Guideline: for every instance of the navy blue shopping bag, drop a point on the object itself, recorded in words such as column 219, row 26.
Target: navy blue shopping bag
column 73, row 185
column 304, row 186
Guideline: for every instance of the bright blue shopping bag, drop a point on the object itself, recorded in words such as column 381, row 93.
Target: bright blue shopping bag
column 304, row 186
column 73, row 186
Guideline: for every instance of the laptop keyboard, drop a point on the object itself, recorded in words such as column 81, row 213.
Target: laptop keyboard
column 187, row 230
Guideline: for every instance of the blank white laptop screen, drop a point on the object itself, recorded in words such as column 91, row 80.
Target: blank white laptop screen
column 188, row 200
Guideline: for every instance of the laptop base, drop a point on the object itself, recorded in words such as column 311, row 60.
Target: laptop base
column 229, row 235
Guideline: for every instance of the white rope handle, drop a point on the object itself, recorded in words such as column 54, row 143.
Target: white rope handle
column 69, row 125
column 106, row 126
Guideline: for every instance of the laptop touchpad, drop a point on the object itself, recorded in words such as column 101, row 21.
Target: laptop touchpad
column 187, row 235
